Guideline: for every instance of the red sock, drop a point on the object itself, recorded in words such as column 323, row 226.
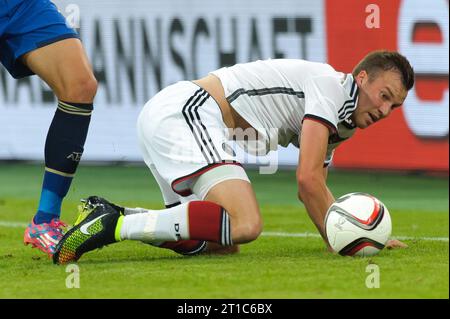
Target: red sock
column 209, row 221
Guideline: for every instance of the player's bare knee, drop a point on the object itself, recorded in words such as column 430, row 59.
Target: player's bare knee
column 247, row 234
column 248, row 231
column 82, row 89
column 85, row 88
column 254, row 230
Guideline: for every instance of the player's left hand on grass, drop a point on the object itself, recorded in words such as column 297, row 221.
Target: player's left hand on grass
column 394, row 243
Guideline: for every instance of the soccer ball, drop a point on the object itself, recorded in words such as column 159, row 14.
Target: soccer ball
column 358, row 224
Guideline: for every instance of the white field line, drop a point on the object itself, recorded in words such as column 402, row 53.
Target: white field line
column 305, row 235
column 266, row 234
column 13, row 224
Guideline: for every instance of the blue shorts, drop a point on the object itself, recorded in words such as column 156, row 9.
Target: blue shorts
column 26, row 25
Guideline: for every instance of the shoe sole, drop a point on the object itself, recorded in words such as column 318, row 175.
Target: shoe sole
column 39, row 247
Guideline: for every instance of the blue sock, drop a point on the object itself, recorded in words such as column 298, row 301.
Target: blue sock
column 63, row 149
column 54, row 189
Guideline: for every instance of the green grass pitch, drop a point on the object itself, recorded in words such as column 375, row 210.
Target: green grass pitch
column 285, row 262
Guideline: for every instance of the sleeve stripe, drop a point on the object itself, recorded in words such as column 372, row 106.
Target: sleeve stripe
column 331, row 127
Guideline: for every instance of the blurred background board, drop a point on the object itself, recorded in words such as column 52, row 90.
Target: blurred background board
column 138, row 47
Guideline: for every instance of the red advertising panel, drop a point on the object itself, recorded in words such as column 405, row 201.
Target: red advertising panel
column 415, row 136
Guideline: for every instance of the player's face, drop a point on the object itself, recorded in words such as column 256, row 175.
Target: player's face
column 377, row 97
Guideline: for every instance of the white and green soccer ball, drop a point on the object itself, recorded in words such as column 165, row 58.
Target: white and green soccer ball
column 358, row 224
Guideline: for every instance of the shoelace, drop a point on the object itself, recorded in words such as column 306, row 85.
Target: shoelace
column 58, row 225
column 84, row 209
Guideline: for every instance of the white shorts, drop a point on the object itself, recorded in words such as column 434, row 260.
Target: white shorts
column 182, row 136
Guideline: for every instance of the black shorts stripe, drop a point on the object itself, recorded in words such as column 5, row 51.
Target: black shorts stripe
column 195, row 129
column 209, row 141
column 204, row 135
column 265, row 91
column 198, row 132
column 198, row 129
column 192, row 100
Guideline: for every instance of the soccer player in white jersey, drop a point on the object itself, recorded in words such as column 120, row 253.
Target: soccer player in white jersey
column 183, row 130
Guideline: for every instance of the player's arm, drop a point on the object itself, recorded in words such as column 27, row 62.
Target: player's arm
column 311, row 175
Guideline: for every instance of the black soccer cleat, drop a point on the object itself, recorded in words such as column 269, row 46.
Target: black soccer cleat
column 95, row 227
column 96, row 200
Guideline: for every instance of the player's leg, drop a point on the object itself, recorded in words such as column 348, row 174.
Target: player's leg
column 37, row 40
column 63, row 66
column 231, row 216
column 172, row 199
column 104, row 224
column 238, row 199
column 220, row 179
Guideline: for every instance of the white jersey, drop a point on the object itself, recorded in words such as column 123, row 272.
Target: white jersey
column 275, row 96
